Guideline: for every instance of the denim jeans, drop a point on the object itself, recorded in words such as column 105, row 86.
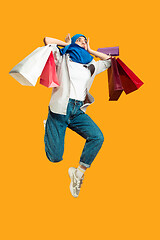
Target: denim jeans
column 78, row 121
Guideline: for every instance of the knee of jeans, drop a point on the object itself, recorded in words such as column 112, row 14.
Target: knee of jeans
column 100, row 137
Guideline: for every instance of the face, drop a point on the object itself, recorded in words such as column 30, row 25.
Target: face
column 82, row 42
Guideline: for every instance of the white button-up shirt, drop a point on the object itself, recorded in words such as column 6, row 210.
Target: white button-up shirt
column 61, row 94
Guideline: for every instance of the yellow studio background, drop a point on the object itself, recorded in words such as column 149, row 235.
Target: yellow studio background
column 119, row 198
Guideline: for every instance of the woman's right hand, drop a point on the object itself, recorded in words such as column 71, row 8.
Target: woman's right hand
column 68, row 39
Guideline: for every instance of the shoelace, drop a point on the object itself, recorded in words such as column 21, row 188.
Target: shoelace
column 79, row 183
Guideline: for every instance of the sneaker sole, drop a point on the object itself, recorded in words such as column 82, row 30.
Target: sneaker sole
column 70, row 171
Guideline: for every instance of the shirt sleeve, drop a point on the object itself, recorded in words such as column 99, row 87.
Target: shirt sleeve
column 102, row 65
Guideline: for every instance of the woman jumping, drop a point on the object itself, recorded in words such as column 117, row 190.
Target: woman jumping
column 76, row 70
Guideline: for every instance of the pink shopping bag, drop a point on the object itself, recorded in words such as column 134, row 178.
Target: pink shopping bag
column 49, row 77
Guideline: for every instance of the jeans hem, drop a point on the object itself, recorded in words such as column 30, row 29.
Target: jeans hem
column 84, row 164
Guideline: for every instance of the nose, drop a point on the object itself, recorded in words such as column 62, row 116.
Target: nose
column 84, row 42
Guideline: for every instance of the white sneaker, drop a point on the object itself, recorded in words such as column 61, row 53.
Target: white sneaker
column 76, row 182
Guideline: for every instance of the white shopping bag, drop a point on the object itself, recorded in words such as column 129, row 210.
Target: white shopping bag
column 30, row 68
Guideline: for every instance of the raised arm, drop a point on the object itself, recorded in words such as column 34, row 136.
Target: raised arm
column 100, row 55
column 48, row 40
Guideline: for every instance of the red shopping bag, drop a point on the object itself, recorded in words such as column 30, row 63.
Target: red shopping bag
column 48, row 77
column 130, row 81
column 114, row 81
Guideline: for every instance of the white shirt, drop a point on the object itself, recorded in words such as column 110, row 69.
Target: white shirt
column 79, row 75
column 60, row 95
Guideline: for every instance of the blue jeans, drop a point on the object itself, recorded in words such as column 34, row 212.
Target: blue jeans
column 78, row 121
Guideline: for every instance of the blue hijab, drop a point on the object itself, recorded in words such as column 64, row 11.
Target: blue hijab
column 77, row 53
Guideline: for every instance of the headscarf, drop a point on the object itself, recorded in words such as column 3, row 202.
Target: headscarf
column 77, row 53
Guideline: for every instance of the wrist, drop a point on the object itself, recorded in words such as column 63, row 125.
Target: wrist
column 90, row 51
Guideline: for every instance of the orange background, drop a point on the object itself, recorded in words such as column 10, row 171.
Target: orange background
column 119, row 198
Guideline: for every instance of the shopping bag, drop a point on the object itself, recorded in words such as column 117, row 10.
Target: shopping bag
column 113, row 51
column 130, row 81
column 114, row 81
column 48, row 77
column 30, row 68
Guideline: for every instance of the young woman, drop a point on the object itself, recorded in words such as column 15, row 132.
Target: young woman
column 76, row 70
